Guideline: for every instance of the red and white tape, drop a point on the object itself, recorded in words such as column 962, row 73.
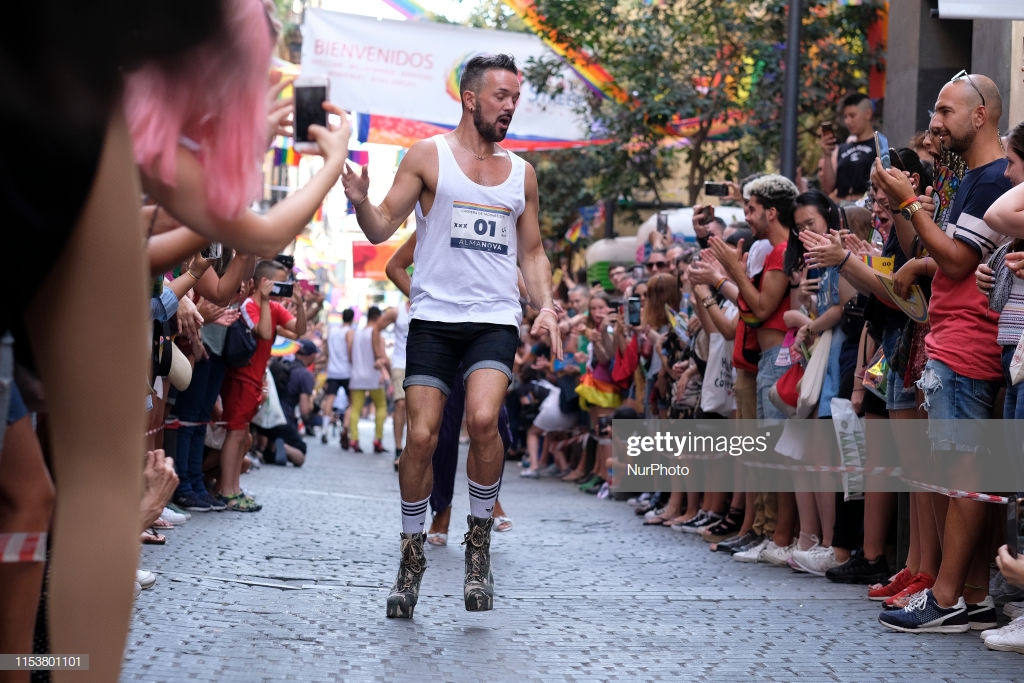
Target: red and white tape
column 848, row 469
column 23, row 547
column 953, row 493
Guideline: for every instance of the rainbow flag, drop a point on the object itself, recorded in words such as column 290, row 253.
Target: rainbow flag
column 283, row 346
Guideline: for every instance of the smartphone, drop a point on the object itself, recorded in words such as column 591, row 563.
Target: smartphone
column 813, row 273
column 716, row 189
column 604, row 424
column 884, row 156
column 895, row 160
column 213, row 251
column 286, row 260
column 285, row 289
column 827, row 127
column 633, row 311
column 310, row 94
column 663, row 223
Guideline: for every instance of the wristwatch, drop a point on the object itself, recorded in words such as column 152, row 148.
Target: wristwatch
column 910, row 209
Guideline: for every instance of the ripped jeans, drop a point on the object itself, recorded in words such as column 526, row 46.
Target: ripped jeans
column 955, row 404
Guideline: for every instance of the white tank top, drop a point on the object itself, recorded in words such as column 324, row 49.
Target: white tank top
column 401, row 334
column 466, row 248
column 339, row 366
column 364, row 375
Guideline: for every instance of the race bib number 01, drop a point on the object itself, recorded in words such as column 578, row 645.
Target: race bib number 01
column 481, row 227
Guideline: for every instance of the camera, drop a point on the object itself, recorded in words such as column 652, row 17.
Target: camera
column 633, row 311
column 286, row 260
column 213, row 251
column 663, row 223
column 284, row 289
column 716, row 189
column 310, row 95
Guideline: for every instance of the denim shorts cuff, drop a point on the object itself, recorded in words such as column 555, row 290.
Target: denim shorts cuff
column 426, row 381
column 490, row 365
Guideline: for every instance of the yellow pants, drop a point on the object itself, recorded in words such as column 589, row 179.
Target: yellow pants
column 380, row 402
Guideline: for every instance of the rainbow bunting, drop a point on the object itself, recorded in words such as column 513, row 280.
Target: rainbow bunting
column 407, row 8
column 359, row 156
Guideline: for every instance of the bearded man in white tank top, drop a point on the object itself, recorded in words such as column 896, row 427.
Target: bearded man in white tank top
column 477, row 209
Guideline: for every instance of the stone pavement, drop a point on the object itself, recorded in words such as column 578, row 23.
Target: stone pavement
column 583, row 593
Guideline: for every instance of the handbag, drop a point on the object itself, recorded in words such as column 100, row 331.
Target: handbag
column 270, row 413
column 814, row 375
column 876, row 374
column 1017, row 363
column 785, row 393
column 239, row 344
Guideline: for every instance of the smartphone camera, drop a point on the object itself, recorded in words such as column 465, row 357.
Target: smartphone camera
column 663, row 223
column 310, row 95
column 286, row 260
column 716, row 189
column 213, row 251
column 827, row 127
column 283, row 289
column 633, row 311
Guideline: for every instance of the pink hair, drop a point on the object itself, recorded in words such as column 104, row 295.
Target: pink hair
column 214, row 95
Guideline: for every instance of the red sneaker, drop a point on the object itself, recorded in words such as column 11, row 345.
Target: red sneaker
column 919, row 583
column 895, row 585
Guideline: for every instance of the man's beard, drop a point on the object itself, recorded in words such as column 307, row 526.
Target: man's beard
column 959, row 144
column 488, row 131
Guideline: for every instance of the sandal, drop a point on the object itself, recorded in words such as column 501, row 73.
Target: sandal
column 657, row 520
column 725, row 527
column 241, row 503
column 151, row 537
column 438, row 538
column 161, row 524
column 502, row 523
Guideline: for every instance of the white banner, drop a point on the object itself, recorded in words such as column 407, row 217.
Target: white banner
column 411, row 70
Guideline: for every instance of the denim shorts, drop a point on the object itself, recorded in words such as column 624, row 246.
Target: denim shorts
column 768, row 373
column 956, row 405
column 897, row 395
column 435, row 350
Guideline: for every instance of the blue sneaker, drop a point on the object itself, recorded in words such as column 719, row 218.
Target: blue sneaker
column 216, row 504
column 923, row 615
column 192, row 501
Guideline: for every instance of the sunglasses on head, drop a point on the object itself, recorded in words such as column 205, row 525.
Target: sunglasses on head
column 963, row 74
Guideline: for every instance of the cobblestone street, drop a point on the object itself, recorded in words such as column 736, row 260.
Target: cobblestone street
column 583, row 592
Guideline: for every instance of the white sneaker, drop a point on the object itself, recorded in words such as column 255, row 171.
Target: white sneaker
column 1013, row 609
column 145, row 579
column 1007, row 639
column 1015, row 625
column 752, row 554
column 172, row 517
column 138, row 589
column 817, row 560
column 654, row 512
column 779, row 556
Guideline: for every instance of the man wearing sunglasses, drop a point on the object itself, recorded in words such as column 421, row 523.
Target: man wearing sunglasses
column 963, row 373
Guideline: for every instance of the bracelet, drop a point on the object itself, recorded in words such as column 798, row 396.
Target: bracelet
column 845, row 259
column 906, row 203
column 719, row 284
column 860, row 377
column 549, row 310
column 709, row 301
column 192, row 275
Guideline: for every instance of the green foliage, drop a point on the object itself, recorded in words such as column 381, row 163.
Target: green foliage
column 692, row 63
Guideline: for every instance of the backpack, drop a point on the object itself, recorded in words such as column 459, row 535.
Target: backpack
column 281, row 371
